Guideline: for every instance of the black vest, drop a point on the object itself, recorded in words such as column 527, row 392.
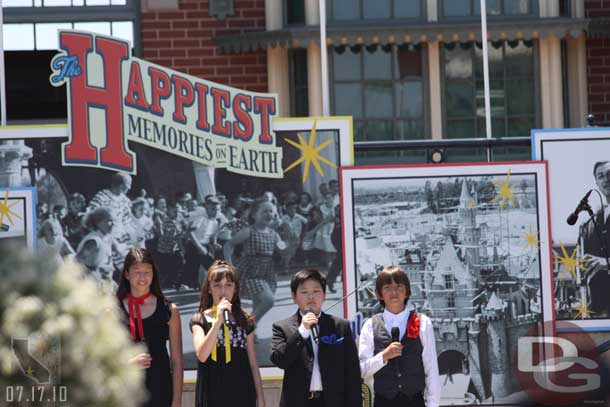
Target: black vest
column 404, row 374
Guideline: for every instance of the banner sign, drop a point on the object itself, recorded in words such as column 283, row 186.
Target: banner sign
column 114, row 98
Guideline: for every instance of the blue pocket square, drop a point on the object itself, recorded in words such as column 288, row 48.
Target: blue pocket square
column 332, row 339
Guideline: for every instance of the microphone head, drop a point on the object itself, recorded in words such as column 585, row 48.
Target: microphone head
column 572, row 218
column 395, row 334
column 307, row 310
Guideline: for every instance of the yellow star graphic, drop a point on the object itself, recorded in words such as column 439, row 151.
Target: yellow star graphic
column 5, row 210
column 310, row 155
column 570, row 262
column 505, row 191
column 29, row 372
column 583, row 310
column 531, row 238
column 471, row 204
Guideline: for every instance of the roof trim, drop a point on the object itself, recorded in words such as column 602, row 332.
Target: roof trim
column 411, row 33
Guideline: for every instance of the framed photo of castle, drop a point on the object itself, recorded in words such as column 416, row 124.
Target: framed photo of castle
column 579, row 167
column 474, row 240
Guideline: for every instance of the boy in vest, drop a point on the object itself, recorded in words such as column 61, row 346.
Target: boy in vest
column 397, row 348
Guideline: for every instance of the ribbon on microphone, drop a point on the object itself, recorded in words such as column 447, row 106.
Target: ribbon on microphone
column 227, row 338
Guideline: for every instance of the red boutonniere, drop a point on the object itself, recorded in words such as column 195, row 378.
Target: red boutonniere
column 413, row 326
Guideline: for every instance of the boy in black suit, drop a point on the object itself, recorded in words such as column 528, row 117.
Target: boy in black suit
column 316, row 350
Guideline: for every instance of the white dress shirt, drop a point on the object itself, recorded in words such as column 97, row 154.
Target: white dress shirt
column 316, row 377
column 371, row 364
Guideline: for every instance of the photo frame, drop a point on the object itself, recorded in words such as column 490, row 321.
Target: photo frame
column 474, row 240
column 579, row 278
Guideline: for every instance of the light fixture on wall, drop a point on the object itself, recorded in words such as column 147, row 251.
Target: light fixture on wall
column 437, row 156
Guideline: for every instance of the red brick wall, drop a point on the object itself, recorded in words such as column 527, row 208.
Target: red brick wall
column 598, row 65
column 183, row 39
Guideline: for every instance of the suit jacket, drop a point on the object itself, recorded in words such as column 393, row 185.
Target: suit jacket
column 337, row 358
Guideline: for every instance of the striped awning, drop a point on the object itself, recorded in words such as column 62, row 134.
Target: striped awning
column 413, row 33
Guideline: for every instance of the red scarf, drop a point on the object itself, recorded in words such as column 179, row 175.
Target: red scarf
column 413, row 325
column 134, row 308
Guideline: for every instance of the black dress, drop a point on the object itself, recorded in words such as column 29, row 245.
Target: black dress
column 221, row 384
column 159, row 374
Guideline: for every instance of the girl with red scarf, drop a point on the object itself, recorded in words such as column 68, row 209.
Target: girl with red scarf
column 152, row 320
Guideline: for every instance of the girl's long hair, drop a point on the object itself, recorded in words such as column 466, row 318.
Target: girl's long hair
column 134, row 256
column 218, row 270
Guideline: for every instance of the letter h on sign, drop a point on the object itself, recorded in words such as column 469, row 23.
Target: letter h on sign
column 114, row 154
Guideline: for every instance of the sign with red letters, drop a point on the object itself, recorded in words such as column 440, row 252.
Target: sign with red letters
column 114, row 98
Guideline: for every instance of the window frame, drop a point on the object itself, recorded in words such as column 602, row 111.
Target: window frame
column 534, row 6
column 537, row 95
column 129, row 12
column 423, row 15
column 395, row 118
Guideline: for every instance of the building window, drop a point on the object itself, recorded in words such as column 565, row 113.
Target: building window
column 44, row 36
column 449, row 282
column 451, row 301
column 513, row 90
column 346, row 10
column 295, row 12
column 382, row 87
column 62, row 3
column 30, row 37
column 298, row 74
column 495, row 8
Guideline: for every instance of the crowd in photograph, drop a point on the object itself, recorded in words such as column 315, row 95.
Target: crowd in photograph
column 263, row 236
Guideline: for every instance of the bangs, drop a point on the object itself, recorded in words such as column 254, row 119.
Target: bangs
column 222, row 272
column 391, row 275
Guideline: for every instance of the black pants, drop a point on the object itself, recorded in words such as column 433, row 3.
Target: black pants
column 401, row 400
column 194, row 259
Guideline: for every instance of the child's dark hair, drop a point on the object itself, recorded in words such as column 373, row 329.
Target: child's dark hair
column 218, row 270
column 135, row 256
column 389, row 275
column 307, row 274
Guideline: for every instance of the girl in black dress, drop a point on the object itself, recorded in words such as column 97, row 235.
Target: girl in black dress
column 152, row 320
column 227, row 372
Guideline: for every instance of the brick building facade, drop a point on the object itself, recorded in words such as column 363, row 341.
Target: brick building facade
column 598, row 60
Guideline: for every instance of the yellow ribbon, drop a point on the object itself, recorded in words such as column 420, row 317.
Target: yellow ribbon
column 225, row 328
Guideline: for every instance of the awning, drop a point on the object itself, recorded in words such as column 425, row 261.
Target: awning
column 414, row 33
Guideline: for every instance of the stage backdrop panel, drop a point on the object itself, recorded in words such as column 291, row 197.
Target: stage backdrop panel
column 474, row 240
column 580, row 277
column 323, row 144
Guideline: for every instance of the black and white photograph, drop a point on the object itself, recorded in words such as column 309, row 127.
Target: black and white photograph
column 189, row 215
column 474, row 242
column 579, row 187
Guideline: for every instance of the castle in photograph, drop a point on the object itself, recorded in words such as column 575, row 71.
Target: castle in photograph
column 470, row 271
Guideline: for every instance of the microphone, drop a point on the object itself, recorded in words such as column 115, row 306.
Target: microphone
column 315, row 331
column 225, row 312
column 395, row 334
column 396, row 338
column 582, row 206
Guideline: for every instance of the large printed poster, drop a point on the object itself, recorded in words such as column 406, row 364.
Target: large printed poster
column 174, row 190
column 579, row 187
column 158, row 159
column 474, row 241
